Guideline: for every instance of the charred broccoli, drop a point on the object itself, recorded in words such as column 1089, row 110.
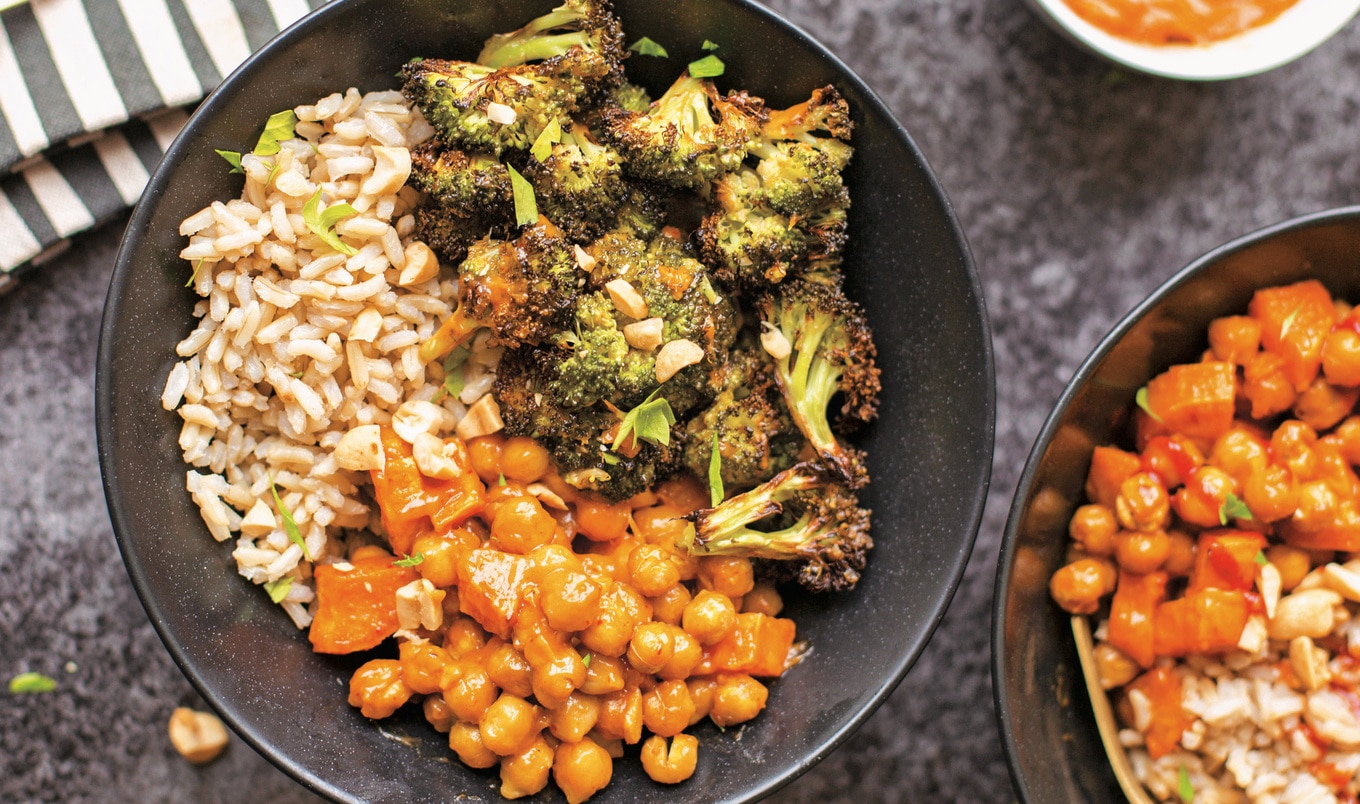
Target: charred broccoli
column 831, row 350
column 579, row 185
column 828, row 535
column 799, row 170
column 450, row 232
column 581, row 38
column 690, row 136
column 748, row 421
column 464, row 182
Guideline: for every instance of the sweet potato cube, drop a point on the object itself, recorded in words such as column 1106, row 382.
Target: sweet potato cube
column 1162, row 688
column 490, row 588
column 1226, row 559
column 1204, row 621
column 1110, row 467
column 356, row 608
column 1195, row 399
column 1132, row 611
column 1295, row 320
column 758, row 646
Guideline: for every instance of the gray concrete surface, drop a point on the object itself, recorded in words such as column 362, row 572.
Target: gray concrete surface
column 1081, row 188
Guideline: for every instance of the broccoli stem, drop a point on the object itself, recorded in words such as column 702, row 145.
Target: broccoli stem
column 535, row 48
column 776, row 544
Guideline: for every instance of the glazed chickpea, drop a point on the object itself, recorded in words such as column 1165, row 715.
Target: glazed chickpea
column 581, row 769
column 1200, row 500
column 422, row 665
column 604, row 674
column 526, row 772
column 463, row 636
column 669, row 606
column 1341, row 357
column 370, row 552
column 673, row 766
column 685, row 492
column 1265, row 385
column 659, row 524
column 651, row 647
column 1317, row 505
column 737, row 699
column 1271, row 494
column 520, row 525
column 1141, row 553
column 1346, row 437
column 440, row 553
column 1115, row 667
column 508, row 725
column 1291, row 562
column 486, row 453
column 1322, row 405
column 377, row 690
column 571, row 721
column 570, row 599
column 763, row 599
column 1143, row 503
column 685, row 657
column 467, row 689
column 701, row 692
column 651, row 570
column 437, row 713
column 1234, row 338
column 524, row 459
column 709, row 617
column 621, row 609
column 1239, row 452
column 556, row 680
column 1093, row 527
column 621, row 716
column 1292, row 445
column 727, row 575
column 1180, row 556
column 465, row 739
column 667, row 708
column 1077, row 587
column 600, row 521
column 508, row 669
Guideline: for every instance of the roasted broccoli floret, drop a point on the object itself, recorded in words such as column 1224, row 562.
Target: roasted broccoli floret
column 831, row 351
column 451, row 230
column 690, row 136
column 523, row 290
column 748, row 421
column 828, row 536
column 799, row 169
column 631, row 96
column 579, row 185
column 644, row 209
column 580, row 38
column 469, row 183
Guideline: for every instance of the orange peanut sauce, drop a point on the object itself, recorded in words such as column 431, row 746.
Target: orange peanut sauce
column 1167, row 22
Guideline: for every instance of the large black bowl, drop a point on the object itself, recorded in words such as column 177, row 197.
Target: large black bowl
column 1045, row 715
column 930, row 451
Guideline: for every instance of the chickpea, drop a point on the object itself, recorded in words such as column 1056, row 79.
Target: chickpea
column 1143, row 503
column 555, row 681
column 1180, row 556
column 526, row 772
column 467, row 689
column 422, row 665
column 737, row 699
column 1141, row 553
column 570, row 599
column 508, row 725
column 604, row 674
column 1341, row 357
column 509, row 670
column 1322, row 405
column 571, row 721
column 440, row 553
column 600, row 521
column 1078, row 586
column 520, row 525
column 1347, row 438
column 377, row 690
column 437, row 713
column 581, row 769
column 685, row 492
column 669, row 606
column 727, row 575
column 686, row 656
column 621, row 716
column 465, row 739
column 370, row 552
column 463, row 636
column 1270, row 494
column 1239, row 452
column 1292, row 444
column 651, row 647
column 1093, row 527
column 1317, row 505
column 710, row 616
column 763, row 599
column 659, row 524
column 524, row 459
column 701, row 692
column 621, row 609
column 667, row 708
column 1114, row 666
column 1265, row 385
column 1234, row 338
column 1200, row 500
column 1291, row 562
column 651, row 570
column 673, row 766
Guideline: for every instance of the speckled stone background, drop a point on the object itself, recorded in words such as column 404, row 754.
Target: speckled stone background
column 1081, row 187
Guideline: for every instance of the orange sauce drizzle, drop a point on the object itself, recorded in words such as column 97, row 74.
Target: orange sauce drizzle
column 1167, row 22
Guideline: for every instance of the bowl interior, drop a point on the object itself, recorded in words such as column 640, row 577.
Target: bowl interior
column 930, row 451
column 1294, row 33
column 1047, row 727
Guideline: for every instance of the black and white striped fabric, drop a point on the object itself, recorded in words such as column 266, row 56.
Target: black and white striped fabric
column 91, row 94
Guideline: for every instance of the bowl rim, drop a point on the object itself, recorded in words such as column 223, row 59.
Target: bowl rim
column 1250, row 53
column 138, row 226
column 1042, row 442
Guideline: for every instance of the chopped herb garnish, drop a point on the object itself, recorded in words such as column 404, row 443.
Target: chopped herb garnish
column 233, row 158
column 709, row 45
column 552, row 134
column 650, row 421
column 1288, row 322
column 526, row 208
column 708, row 291
column 1183, row 787
column 322, row 223
column 273, row 171
column 500, row 481
column 453, row 373
column 1233, row 508
column 410, row 561
column 278, row 590
column 289, row 524
column 31, row 682
column 715, row 484
column 709, row 66
column 277, row 128
column 297, row 375
column 1141, row 399
column 194, row 276
column 610, row 458
column 1261, row 558
column 585, row 660
column 648, row 47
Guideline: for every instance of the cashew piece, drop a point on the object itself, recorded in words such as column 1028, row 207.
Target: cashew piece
column 360, row 449
column 675, row 355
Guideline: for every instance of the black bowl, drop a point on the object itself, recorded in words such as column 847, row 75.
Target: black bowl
column 1047, row 727
column 930, row 451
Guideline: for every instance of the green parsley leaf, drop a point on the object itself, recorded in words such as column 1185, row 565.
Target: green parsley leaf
column 410, row 561
column 585, row 660
column 31, row 682
column 277, row 128
column 1233, row 508
column 542, row 148
column 1288, row 322
column 322, row 223
column 709, row 45
column 233, row 158
column 297, row 375
column 273, row 171
column 708, row 291
column 453, row 373
column 647, row 47
column 194, row 276
column 500, row 481
column 715, row 484
column 610, row 458
column 709, row 66
column 1141, row 399
column 526, row 208
column 650, row 421
column 1261, row 558
column 289, row 524
column 1183, row 787
column 278, row 590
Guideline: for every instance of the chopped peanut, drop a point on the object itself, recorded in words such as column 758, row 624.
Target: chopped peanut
column 433, row 457
column 366, row 326
column 391, row 168
column 198, row 736
column 421, row 265
column 676, row 355
column 361, row 449
column 415, row 417
column 583, row 259
column 626, row 298
column 259, row 520
column 420, row 605
column 483, row 418
column 645, row 335
column 1309, row 662
column 772, row 338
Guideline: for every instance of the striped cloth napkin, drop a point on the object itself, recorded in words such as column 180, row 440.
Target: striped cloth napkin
column 91, row 94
